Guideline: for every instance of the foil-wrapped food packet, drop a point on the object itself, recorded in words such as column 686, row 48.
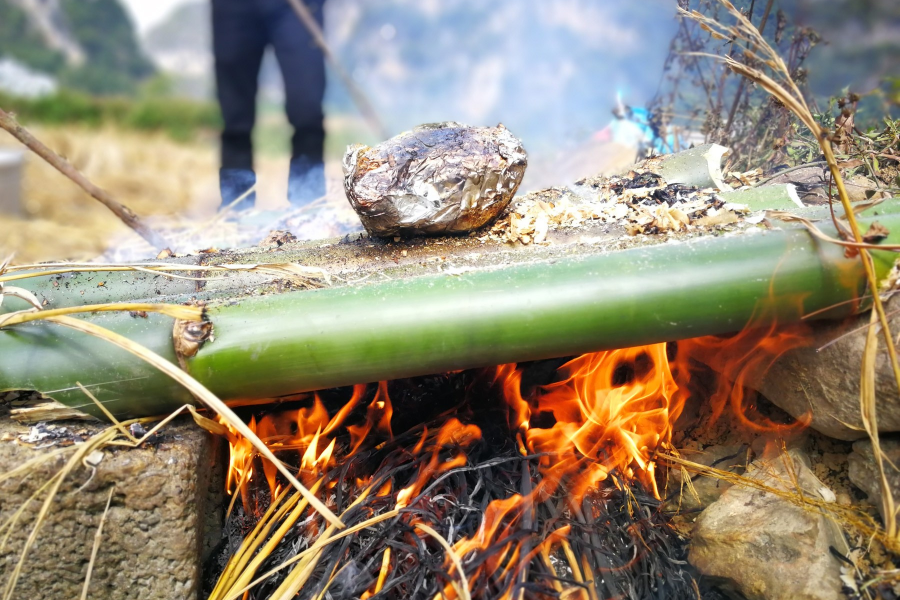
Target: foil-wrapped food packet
column 436, row 179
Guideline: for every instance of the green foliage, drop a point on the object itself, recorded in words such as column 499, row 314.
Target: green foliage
column 18, row 40
column 114, row 61
column 182, row 119
column 870, row 153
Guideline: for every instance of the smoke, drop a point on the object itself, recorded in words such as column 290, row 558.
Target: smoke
column 547, row 69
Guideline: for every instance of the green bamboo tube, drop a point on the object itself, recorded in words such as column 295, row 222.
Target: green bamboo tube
column 280, row 344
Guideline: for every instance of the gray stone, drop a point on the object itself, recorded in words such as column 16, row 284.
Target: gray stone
column 165, row 495
column 863, row 471
column 765, row 547
column 826, row 383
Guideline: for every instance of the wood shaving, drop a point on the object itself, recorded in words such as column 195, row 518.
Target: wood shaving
column 639, row 202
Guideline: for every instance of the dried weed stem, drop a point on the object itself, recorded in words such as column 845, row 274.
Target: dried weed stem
column 781, row 85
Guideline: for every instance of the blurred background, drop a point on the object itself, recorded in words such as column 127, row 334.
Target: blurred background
column 124, row 89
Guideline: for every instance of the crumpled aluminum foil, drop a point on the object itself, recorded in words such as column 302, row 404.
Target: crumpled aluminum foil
column 437, row 179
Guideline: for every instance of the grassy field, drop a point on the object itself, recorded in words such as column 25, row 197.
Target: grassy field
column 149, row 172
column 170, row 182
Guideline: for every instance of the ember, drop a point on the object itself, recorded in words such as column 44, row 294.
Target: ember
column 523, row 482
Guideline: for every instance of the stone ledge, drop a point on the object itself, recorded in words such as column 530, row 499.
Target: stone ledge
column 154, row 539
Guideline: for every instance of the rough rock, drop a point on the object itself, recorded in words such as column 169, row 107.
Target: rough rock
column 826, row 383
column 153, row 541
column 437, row 179
column 864, row 473
column 765, row 547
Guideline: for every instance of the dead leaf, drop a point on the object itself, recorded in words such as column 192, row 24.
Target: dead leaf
column 875, row 233
column 541, row 227
column 725, row 217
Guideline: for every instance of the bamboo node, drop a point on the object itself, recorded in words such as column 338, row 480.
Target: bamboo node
column 189, row 336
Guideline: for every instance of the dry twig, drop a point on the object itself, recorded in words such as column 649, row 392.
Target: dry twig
column 96, row 547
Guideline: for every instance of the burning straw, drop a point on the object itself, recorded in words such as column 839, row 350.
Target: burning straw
column 550, row 493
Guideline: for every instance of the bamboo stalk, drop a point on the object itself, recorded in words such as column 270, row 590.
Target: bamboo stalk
column 125, row 214
column 270, row 346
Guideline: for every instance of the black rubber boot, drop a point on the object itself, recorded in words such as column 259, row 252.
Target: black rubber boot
column 306, row 181
column 233, row 183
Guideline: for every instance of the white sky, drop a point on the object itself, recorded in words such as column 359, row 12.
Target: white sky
column 147, row 13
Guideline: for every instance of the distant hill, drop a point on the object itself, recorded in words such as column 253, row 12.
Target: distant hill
column 187, row 28
column 86, row 45
column 180, row 47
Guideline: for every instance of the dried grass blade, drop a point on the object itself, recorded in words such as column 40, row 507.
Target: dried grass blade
column 21, row 294
column 96, row 547
column 177, row 311
column 859, row 520
column 235, row 568
column 10, row 523
column 462, row 589
column 321, row 542
column 81, row 451
column 30, row 465
column 383, row 572
column 247, row 571
column 870, row 422
column 204, row 395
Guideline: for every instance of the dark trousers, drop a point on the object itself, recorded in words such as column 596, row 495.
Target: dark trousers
column 242, row 29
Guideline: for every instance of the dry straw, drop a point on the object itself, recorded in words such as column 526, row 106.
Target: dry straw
column 765, row 67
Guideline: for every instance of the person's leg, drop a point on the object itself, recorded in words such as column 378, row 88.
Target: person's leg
column 239, row 39
column 303, row 68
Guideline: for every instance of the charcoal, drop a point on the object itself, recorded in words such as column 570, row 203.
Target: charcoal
column 437, row 179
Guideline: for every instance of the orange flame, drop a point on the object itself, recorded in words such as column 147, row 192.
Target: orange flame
column 610, row 413
column 452, row 434
column 309, row 431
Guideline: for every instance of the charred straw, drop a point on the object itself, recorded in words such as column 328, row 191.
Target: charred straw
column 621, row 541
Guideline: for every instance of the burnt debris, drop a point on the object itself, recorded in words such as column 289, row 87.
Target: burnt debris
column 531, row 539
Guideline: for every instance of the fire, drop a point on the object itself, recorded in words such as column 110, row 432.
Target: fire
column 604, row 419
column 612, row 411
column 309, row 431
column 452, row 435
